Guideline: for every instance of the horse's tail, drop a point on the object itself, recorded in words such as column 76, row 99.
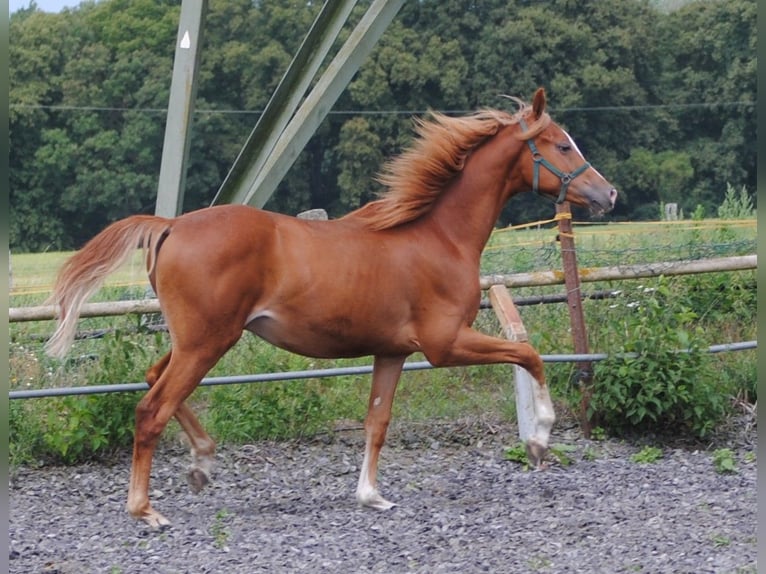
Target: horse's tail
column 85, row 271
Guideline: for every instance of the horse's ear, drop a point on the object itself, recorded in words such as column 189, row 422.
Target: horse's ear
column 538, row 103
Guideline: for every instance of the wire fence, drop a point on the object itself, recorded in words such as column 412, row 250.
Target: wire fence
column 332, row 372
column 535, row 246
column 522, row 248
column 636, row 249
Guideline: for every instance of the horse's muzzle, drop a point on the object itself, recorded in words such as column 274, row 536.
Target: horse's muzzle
column 603, row 203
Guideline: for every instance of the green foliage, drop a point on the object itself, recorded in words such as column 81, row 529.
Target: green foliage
column 246, row 413
column 219, row 528
column 518, row 453
column 249, row 412
column 723, row 461
column 85, row 428
column 736, row 205
column 562, row 453
column 657, row 387
column 78, row 428
column 359, row 160
column 660, row 96
column 648, row 178
column 647, row 455
column 25, row 433
column 720, row 541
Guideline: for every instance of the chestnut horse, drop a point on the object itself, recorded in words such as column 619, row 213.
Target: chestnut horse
column 306, row 286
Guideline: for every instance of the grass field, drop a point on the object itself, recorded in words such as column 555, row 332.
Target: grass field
column 509, row 250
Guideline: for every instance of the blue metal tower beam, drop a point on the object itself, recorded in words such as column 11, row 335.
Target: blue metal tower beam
column 183, row 90
column 259, row 168
column 284, row 101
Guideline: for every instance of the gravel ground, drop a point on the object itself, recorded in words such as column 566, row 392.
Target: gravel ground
column 289, row 507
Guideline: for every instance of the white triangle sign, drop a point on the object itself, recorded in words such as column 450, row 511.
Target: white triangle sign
column 186, row 41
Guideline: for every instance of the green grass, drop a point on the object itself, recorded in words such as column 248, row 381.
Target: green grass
column 33, row 275
column 647, row 455
column 606, row 244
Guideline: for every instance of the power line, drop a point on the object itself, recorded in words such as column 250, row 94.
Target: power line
column 638, row 107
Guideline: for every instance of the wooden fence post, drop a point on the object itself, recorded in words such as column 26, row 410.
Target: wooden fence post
column 576, row 316
column 534, row 408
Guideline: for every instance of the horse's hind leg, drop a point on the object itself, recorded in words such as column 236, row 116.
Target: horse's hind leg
column 385, row 377
column 181, row 375
column 202, row 446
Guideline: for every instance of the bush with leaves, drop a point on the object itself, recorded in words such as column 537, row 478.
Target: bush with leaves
column 736, row 204
column 77, row 428
column 659, row 378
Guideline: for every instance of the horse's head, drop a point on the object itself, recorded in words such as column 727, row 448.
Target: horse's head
column 555, row 167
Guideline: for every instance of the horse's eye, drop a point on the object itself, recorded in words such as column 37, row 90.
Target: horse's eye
column 564, row 147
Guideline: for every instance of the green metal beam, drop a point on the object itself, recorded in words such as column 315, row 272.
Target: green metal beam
column 284, row 100
column 256, row 186
column 183, row 88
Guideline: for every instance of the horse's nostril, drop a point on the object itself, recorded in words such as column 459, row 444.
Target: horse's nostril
column 613, row 196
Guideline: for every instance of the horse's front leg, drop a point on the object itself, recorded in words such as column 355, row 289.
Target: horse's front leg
column 385, row 376
column 470, row 347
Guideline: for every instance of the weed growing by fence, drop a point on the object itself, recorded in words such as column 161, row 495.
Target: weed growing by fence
column 723, row 461
column 659, row 388
column 647, row 455
column 74, row 429
column 736, row 204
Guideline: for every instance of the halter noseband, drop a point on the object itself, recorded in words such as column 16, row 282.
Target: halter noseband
column 566, row 178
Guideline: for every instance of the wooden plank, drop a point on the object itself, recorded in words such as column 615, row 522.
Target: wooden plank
column 507, row 314
column 526, row 385
column 739, row 263
column 620, row 272
column 104, row 309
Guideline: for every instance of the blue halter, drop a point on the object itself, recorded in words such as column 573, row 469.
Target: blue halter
column 566, row 178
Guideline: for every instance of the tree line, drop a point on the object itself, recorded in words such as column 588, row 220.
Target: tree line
column 660, row 96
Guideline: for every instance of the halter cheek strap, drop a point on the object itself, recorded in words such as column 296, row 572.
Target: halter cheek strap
column 538, row 159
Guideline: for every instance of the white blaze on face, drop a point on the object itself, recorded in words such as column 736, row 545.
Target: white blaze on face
column 577, row 149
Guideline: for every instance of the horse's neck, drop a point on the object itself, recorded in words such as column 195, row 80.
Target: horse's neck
column 469, row 208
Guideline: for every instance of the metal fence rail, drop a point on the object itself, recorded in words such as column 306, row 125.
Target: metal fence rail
column 324, row 373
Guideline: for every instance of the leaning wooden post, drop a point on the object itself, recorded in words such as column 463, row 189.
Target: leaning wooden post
column 576, row 316
column 534, row 408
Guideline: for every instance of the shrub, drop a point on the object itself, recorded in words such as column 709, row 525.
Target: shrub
column 657, row 387
column 736, row 205
column 88, row 427
column 245, row 413
column 78, row 428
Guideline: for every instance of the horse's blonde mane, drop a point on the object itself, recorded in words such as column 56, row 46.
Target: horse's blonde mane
column 415, row 178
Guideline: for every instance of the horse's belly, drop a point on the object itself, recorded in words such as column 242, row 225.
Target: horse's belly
column 333, row 338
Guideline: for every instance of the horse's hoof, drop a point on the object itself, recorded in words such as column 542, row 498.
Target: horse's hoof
column 158, row 522
column 197, row 479
column 375, row 501
column 536, row 453
column 154, row 520
column 382, row 504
